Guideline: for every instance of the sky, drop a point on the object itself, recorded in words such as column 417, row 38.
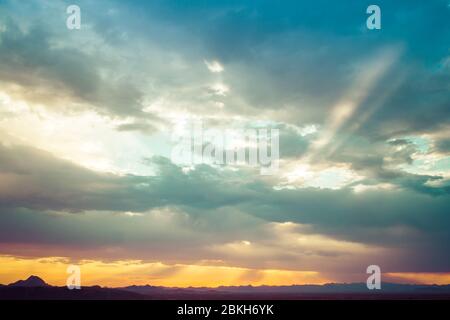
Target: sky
column 87, row 119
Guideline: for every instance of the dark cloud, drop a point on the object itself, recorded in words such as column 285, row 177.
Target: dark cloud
column 443, row 145
column 35, row 179
column 62, row 75
column 293, row 143
column 302, row 58
column 416, row 221
column 143, row 127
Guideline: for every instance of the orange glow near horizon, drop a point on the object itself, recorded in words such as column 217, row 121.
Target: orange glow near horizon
column 420, row 277
column 125, row 273
column 134, row 272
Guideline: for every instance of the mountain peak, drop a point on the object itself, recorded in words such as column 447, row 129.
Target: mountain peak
column 31, row 281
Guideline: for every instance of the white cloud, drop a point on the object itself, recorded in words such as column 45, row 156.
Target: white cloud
column 214, row 66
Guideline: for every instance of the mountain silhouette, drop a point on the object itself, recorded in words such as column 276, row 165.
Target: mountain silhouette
column 35, row 288
column 32, row 281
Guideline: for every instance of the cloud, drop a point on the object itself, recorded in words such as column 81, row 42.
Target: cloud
column 137, row 126
column 61, row 75
column 222, row 206
column 214, row 66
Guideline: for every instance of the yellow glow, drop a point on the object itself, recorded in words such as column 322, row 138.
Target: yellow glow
column 124, row 273
column 420, row 277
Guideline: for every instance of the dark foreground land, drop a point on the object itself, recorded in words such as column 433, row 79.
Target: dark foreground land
column 35, row 288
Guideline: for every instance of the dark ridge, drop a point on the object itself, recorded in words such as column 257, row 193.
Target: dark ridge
column 34, row 288
column 32, row 281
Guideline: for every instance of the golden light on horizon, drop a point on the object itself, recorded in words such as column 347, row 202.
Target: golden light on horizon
column 125, row 273
column 420, row 277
